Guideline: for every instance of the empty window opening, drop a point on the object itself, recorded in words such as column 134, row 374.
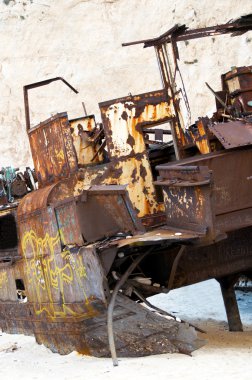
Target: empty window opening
column 21, row 293
column 8, row 232
column 158, row 134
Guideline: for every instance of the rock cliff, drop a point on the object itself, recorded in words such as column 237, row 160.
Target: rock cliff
column 80, row 40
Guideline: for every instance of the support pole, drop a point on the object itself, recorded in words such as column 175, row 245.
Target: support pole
column 230, row 302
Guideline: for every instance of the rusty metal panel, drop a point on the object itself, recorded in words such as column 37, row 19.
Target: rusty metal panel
column 52, row 150
column 40, row 199
column 6, row 291
column 187, row 197
column 9, row 272
column 89, row 277
column 50, row 240
column 33, row 201
column 54, row 275
column 232, row 178
column 176, row 176
column 33, row 229
column 105, row 211
column 45, row 273
column 80, row 283
column 200, row 262
column 68, row 224
column 85, row 123
column 123, row 118
column 159, row 235
column 134, row 172
column 188, row 207
column 86, row 149
column 233, row 133
column 40, row 243
column 234, row 220
column 200, row 136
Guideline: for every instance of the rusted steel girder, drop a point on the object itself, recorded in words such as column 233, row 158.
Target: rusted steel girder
column 182, row 33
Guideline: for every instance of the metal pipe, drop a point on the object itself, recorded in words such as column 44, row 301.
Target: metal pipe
column 84, row 108
column 174, row 268
column 217, row 97
column 166, row 80
column 119, row 284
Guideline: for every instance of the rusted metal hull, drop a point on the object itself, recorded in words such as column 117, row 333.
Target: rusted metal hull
column 138, row 331
column 65, row 288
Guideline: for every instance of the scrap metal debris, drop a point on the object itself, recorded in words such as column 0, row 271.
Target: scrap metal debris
column 120, row 213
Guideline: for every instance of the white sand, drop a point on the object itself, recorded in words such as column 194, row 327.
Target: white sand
column 226, row 356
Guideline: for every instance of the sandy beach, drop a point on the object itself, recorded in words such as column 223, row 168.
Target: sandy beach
column 226, row 355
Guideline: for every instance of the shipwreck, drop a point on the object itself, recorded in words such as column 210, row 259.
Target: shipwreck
column 119, row 211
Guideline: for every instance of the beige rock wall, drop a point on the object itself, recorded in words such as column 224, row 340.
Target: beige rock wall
column 81, row 41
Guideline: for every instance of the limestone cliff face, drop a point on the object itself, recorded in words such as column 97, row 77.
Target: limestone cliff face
column 80, row 40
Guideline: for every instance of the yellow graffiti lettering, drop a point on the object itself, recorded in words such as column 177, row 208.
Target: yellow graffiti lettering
column 51, row 275
column 59, row 154
column 3, row 279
